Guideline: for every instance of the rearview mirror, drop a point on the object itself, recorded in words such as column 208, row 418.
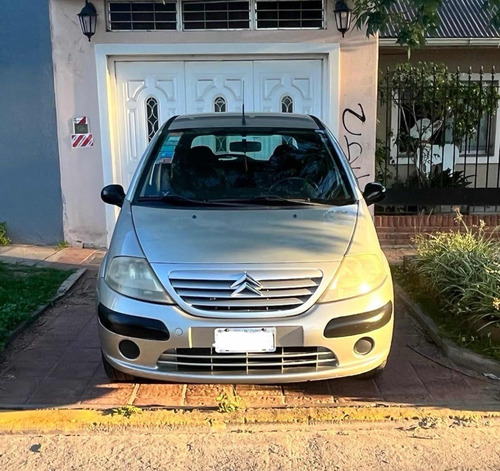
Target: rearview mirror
column 374, row 193
column 113, row 194
column 245, row 146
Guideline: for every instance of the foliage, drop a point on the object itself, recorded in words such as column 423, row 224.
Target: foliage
column 4, row 239
column 464, row 268
column 432, row 303
column 420, row 18
column 382, row 171
column 228, row 403
column 126, row 411
column 436, row 179
column 62, row 245
column 434, row 107
column 23, row 289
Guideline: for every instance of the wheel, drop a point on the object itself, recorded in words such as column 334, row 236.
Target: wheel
column 373, row 373
column 115, row 375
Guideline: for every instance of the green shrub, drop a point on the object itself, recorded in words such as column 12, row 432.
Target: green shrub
column 4, row 240
column 464, row 268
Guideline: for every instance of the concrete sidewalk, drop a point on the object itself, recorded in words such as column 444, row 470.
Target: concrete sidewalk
column 43, row 255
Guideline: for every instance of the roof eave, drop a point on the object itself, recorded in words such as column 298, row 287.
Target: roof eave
column 448, row 42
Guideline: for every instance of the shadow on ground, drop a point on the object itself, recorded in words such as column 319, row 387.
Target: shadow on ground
column 56, row 362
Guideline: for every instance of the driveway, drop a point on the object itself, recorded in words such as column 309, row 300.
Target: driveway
column 56, row 362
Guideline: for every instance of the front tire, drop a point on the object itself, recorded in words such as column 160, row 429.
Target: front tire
column 114, row 375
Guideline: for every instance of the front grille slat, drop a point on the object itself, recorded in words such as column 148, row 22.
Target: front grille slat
column 285, row 359
column 267, row 290
column 244, row 303
column 190, row 293
column 239, row 356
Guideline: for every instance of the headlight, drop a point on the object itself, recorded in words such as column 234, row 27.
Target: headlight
column 357, row 275
column 133, row 277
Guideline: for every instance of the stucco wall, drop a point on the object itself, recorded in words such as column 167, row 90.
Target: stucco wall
column 76, row 95
column 30, row 187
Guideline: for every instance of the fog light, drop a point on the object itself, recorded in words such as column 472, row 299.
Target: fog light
column 363, row 346
column 129, row 349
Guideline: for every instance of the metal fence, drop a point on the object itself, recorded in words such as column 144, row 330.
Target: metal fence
column 438, row 140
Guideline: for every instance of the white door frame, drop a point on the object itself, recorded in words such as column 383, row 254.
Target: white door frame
column 106, row 92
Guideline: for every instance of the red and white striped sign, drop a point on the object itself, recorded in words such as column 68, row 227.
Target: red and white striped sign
column 82, row 140
column 82, row 120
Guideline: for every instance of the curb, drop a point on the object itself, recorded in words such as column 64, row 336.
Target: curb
column 462, row 356
column 66, row 285
column 61, row 420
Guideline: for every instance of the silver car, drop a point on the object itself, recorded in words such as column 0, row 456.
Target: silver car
column 244, row 253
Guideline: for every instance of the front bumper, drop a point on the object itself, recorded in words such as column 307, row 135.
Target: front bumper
column 306, row 330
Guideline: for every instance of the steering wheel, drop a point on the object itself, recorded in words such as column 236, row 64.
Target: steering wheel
column 296, row 186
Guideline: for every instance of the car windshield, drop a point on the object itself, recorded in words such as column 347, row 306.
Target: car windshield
column 244, row 166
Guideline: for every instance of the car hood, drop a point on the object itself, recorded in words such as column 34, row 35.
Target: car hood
column 317, row 233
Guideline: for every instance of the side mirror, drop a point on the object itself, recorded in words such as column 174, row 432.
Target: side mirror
column 374, row 193
column 113, row 194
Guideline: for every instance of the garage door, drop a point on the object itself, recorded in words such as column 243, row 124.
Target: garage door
column 149, row 93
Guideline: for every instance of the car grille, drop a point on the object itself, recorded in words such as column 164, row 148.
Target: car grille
column 272, row 291
column 283, row 360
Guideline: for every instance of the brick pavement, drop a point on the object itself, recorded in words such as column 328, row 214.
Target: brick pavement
column 56, row 363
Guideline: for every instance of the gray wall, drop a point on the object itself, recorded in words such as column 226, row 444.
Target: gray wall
column 30, row 185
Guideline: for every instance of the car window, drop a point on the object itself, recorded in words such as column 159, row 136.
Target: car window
column 238, row 164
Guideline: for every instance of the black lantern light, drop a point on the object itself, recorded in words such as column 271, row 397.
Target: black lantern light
column 88, row 19
column 343, row 16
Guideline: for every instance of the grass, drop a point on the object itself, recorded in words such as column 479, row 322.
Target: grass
column 450, row 325
column 24, row 289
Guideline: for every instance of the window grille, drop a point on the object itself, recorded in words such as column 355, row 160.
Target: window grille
column 215, row 15
column 287, row 104
column 152, row 117
column 295, row 14
column 220, row 104
column 142, row 16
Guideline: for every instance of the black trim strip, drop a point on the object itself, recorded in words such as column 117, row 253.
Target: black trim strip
column 359, row 323
column 132, row 326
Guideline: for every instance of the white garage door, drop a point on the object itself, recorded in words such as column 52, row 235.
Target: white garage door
column 149, row 93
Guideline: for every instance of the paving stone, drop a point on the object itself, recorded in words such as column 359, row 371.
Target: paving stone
column 400, row 380
column 29, row 252
column 253, row 390
column 442, row 383
column 107, row 395
column 307, row 394
column 16, row 390
column 83, row 370
column 28, row 370
column 83, row 354
column 205, row 394
column 354, row 389
column 101, row 392
column 168, row 395
column 58, row 392
column 71, row 255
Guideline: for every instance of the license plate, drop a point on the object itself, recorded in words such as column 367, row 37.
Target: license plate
column 255, row 340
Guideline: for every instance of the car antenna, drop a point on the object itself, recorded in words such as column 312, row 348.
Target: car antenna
column 243, row 120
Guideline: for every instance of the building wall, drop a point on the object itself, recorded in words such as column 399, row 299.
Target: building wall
column 77, row 95
column 30, row 185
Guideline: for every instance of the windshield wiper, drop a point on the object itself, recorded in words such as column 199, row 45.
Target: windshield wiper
column 177, row 200
column 269, row 200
